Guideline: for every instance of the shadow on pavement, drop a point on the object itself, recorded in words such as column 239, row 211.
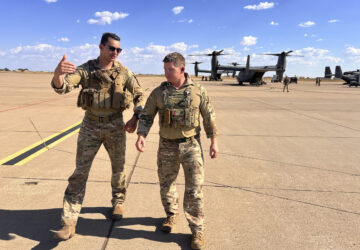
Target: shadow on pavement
column 38, row 225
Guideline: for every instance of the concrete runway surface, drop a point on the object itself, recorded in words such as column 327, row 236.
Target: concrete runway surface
column 287, row 176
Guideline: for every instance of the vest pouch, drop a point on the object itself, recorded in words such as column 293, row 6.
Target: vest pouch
column 189, row 117
column 88, row 98
column 80, row 103
column 101, row 100
column 96, row 100
column 107, row 100
column 177, row 118
column 118, row 96
column 166, row 118
column 85, row 98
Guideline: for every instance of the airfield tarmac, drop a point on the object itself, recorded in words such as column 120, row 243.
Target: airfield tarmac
column 287, row 176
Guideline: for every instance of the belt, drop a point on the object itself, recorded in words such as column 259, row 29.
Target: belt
column 184, row 139
column 103, row 118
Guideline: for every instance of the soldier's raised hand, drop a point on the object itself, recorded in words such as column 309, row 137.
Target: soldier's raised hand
column 64, row 67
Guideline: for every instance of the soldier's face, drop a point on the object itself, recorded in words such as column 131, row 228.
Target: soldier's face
column 172, row 73
column 110, row 50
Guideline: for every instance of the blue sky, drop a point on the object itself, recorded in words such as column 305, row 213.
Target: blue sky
column 36, row 33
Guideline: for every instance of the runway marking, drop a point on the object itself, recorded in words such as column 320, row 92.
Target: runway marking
column 25, row 155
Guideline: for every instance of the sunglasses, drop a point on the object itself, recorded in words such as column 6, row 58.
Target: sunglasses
column 118, row 50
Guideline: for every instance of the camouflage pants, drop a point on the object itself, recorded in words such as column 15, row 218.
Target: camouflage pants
column 286, row 86
column 189, row 155
column 92, row 134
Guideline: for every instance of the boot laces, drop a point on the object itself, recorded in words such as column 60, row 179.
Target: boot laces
column 170, row 220
column 198, row 236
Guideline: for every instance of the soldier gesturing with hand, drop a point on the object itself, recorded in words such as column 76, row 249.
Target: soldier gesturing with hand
column 107, row 89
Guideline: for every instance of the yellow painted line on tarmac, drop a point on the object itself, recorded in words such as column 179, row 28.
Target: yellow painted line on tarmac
column 25, row 155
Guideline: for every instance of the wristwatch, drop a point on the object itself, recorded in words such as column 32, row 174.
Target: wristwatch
column 137, row 115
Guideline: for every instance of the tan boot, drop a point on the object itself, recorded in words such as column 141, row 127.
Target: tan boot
column 197, row 241
column 66, row 232
column 118, row 212
column 169, row 223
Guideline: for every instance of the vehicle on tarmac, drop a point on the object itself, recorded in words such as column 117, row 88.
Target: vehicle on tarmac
column 351, row 78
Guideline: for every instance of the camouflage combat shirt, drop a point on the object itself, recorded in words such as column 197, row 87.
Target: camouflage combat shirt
column 81, row 78
column 199, row 100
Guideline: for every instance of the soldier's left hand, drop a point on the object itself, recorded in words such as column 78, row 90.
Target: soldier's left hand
column 214, row 150
column 131, row 125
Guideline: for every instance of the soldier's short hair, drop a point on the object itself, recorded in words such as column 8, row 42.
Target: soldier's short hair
column 105, row 37
column 175, row 58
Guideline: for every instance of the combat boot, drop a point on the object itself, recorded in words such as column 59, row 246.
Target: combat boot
column 66, row 232
column 118, row 212
column 168, row 224
column 197, row 241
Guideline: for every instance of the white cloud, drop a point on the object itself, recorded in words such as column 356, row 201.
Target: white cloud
column 148, row 59
column 136, row 50
column 260, row 6
column 88, row 46
column 51, row 1
column 353, row 51
column 334, row 21
column 274, row 23
column 186, row 21
column 163, row 50
column 319, row 40
column 307, row 24
column 177, row 10
column 31, row 48
column 45, row 56
column 63, row 39
column 106, row 17
column 180, row 47
column 77, row 20
column 248, row 40
column 354, row 56
column 306, row 35
column 313, row 56
column 157, row 49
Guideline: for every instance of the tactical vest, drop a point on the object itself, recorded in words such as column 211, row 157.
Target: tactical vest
column 105, row 89
column 178, row 112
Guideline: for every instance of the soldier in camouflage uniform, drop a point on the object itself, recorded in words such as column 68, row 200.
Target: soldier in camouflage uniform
column 107, row 89
column 286, row 82
column 318, row 80
column 180, row 102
